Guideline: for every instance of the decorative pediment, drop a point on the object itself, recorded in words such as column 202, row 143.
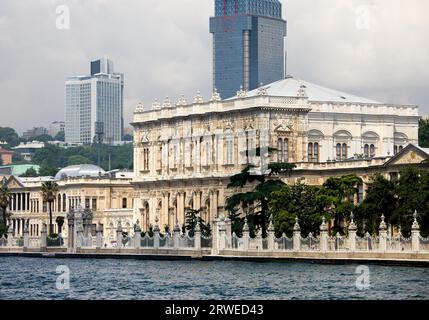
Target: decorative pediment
column 283, row 126
column 14, row 183
column 409, row 155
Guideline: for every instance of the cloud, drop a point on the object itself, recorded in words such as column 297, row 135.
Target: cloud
column 377, row 49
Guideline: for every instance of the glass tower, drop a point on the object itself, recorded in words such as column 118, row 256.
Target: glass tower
column 94, row 105
column 248, row 44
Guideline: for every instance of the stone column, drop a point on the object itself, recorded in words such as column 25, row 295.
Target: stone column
column 176, row 235
column 71, row 231
column 99, row 239
column 43, row 239
column 156, row 235
column 222, row 235
column 270, row 236
column 10, row 237
column 119, row 235
column 352, row 234
column 383, row 235
column 324, row 236
column 197, row 237
column 228, row 232
column 215, row 236
column 79, row 237
column 246, row 236
column 415, row 234
column 296, row 236
column 26, row 237
column 137, row 235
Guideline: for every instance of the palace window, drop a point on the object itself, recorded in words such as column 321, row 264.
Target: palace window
column 282, row 150
column 397, row 149
column 369, row 151
column 229, row 151
column 64, row 202
column 313, row 152
column 94, row 204
column 59, row 203
column 146, row 159
column 124, row 203
column 87, row 203
column 341, row 152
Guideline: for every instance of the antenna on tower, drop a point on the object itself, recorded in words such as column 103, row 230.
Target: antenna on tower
column 99, row 135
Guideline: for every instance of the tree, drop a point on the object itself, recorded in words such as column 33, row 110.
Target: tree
column 49, row 192
column 339, row 192
column 10, row 136
column 46, row 171
column 300, row 201
column 5, row 195
column 60, row 222
column 424, row 133
column 192, row 218
column 30, row 172
column 380, row 199
column 254, row 203
column 78, row 159
column 60, row 136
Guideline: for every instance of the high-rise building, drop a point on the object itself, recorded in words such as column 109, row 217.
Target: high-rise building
column 94, row 105
column 248, row 44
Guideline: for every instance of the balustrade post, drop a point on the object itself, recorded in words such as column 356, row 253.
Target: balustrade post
column 79, row 237
column 296, row 236
column 270, row 236
column 246, row 236
column 176, row 235
column 119, row 235
column 383, row 235
column 43, row 239
column 99, row 239
column 26, row 236
column 222, row 235
column 352, row 234
column 10, row 236
column 324, row 236
column 197, row 237
column 137, row 235
column 156, row 231
column 415, row 234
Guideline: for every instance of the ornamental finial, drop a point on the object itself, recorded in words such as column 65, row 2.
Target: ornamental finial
column 383, row 225
column 296, row 227
column 216, row 96
column 415, row 225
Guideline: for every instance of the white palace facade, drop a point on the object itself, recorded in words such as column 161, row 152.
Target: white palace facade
column 185, row 153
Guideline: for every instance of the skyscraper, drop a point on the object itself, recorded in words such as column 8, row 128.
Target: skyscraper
column 94, row 105
column 248, row 44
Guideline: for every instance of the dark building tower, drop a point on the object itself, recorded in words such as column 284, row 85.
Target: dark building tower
column 248, row 44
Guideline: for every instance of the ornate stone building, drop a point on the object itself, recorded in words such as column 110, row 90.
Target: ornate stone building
column 108, row 195
column 185, row 153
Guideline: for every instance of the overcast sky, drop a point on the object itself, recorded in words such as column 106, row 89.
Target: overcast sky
column 374, row 48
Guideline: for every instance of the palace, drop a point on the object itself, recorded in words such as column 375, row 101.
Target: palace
column 185, row 153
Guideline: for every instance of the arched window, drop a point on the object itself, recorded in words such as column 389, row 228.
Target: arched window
column 229, row 151
column 285, row 150
column 64, row 202
column 316, row 153
column 59, row 203
column 344, row 152
column 338, row 151
column 310, row 152
column 279, row 150
column 366, row 151
column 372, row 151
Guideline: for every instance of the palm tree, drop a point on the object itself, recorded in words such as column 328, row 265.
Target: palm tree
column 5, row 195
column 49, row 192
column 60, row 222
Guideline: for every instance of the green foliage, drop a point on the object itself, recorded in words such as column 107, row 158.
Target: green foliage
column 30, row 172
column 10, row 136
column 192, row 218
column 46, row 171
column 300, row 201
column 42, row 138
column 78, row 159
column 5, row 195
column 424, row 133
column 60, row 136
column 3, row 230
column 121, row 157
column 253, row 203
